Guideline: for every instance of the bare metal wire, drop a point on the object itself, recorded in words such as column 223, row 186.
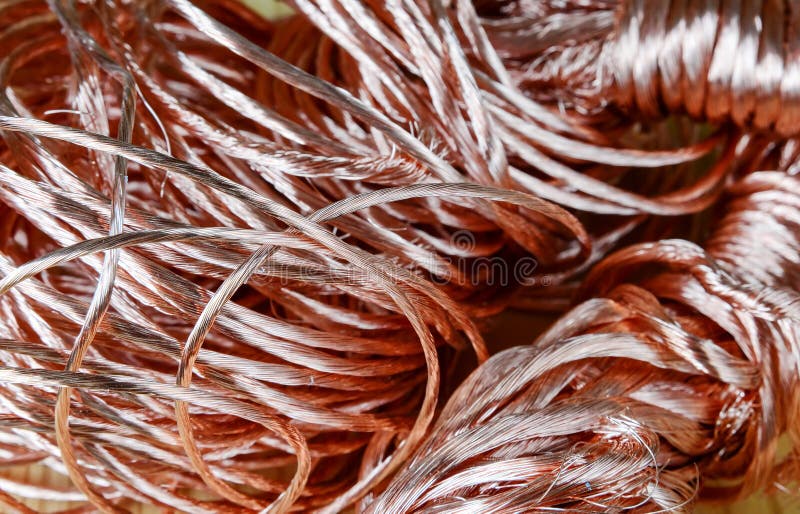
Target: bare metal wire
column 230, row 270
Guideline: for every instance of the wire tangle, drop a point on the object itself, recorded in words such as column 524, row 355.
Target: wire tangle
column 683, row 364
column 243, row 262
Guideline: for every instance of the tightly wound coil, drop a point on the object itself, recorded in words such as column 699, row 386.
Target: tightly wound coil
column 719, row 60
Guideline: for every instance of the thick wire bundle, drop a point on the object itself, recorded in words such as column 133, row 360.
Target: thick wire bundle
column 134, row 372
column 676, row 369
column 239, row 257
column 725, row 61
column 680, row 374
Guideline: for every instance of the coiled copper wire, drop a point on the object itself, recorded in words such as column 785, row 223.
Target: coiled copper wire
column 414, row 44
column 717, row 60
column 324, row 361
column 473, row 106
column 684, row 366
column 267, row 327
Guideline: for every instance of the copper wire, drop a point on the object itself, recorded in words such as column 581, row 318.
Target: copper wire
column 680, row 373
column 733, row 62
column 680, row 376
column 331, row 351
column 230, row 264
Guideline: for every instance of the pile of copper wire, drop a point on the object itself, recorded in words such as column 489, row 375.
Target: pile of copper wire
column 675, row 374
column 244, row 263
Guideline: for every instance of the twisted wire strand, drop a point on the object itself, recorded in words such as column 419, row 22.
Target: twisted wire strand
column 331, row 350
column 728, row 62
column 228, row 265
column 335, row 170
column 678, row 377
column 519, row 143
column 409, row 41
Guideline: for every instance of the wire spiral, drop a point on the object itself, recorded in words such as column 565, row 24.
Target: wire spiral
column 718, row 60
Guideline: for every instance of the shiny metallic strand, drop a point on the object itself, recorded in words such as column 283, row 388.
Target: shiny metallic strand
column 680, row 374
column 723, row 61
column 329, row 332
column 535, row 135
column 220, row 235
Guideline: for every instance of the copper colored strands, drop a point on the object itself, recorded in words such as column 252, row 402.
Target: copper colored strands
column 430, row 64
column 238, row 258
column 134, row 360
column 677, row 369
column 733, row 62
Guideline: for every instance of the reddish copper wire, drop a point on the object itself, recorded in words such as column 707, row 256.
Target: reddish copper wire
column 196, row 162
column 679, row 376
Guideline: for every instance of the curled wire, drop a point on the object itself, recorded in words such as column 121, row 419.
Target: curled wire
column 157, row 372
column 678, row 375
column 723, row 61
column 230, row 267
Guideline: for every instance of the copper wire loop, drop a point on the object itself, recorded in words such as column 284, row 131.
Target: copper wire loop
column 240, row 259
column 726, row 61
column 677, row 369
